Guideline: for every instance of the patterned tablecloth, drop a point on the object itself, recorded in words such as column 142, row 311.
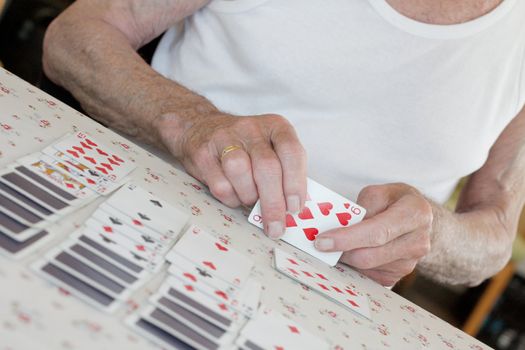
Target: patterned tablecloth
column 34, row 314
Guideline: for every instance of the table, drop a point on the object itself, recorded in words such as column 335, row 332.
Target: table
column 34, row 314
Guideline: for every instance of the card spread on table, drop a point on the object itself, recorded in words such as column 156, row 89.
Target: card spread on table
column 40, row 189
column 324, row 210
column 319, row 281
column 105, row 260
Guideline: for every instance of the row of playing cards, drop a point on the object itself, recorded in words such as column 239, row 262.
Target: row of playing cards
column 205, row 300
column 324, row 210
column 39, row 189
column 119, row 248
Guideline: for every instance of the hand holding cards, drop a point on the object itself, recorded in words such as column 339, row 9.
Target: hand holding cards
column 324, row 210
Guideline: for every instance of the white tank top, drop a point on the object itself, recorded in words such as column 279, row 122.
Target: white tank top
column 374, row 96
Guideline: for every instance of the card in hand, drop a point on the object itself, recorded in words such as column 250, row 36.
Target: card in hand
column 213, row 256
column 319, row 281
column 324, row 210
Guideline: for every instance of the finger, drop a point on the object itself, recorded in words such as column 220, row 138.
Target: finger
column 406, row 215
column 376, row 198
column 389, row 275
column 293, row 162
column 237, row 168
column 267, row 173
column 219, row 185
column 413, row 245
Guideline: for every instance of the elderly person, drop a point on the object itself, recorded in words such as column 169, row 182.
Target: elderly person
column 393, row 101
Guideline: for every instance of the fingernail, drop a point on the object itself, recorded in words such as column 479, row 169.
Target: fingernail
column 293, row 204
column 275, row 229
column 324, row 243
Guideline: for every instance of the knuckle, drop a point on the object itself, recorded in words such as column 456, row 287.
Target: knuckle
column 247, row 126
column 381, row 236
column 235, row 164
column 268, row 165
column 222, row 190
column 200, row 156
column 371, row 192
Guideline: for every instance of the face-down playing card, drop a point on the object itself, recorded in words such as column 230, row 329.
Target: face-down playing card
column 319, row 281
column 324, row 210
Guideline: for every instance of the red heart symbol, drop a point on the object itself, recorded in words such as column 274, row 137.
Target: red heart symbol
column 310, row 233
column 221, row 247
column 118, row 159
column 101, row 169
column 91, row 182
column 221, row 294
column 190, row 276
column 102, row 152
column 209, row 264
column 73, row 153
column 113, row 162
column 108, row 229
column 106, row 165
column 347, row 205
column 91, row 159
column 85, row 145
column 79, row 149
column 137, row 222
column 189, row 288
column 290, row 221
column 91, row 143
column 343, row 218
column 325, row 207
column 141, row 248
column 306, row 214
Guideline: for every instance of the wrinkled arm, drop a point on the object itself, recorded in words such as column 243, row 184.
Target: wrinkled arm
column 475, row 242
column 90, row 49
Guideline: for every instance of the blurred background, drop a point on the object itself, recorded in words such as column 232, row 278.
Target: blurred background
column 494, row 312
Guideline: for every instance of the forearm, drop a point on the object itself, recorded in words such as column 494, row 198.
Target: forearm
column 98, row 64
column 475, row 242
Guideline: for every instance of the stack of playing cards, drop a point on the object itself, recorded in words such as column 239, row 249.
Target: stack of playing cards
column 120, row 247
column 324, row 210
column 271, row 330
column 330, row 288
column 39, row 189
column 207, row 298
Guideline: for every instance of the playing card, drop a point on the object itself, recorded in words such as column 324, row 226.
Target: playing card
column 75, row 286
column 197, row 323
column 155, row 334
column 25, row 202
column 213, row 256
column 33, row 192
column 320, row 282
column 18, row 212
column 121, row 245
column 133, row 227
column 18, row 250
column 178, row 329
column 152, row 211
column 279, row 333
column 324, row 210
column 101, row 158
column 100, row 264
column 85, row 273
column 80, row 172
column 35, row 167
column 193, row 299
column 15, row 229
column 110, row 229
column 121, row 257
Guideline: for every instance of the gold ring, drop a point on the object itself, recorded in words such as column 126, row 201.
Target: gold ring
column 229, row 149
